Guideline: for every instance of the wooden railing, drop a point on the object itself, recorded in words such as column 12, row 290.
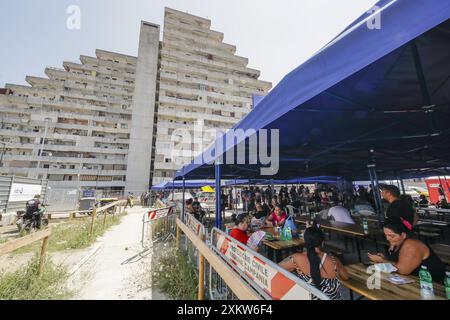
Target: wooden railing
column 118, row 205
column 242, row 290
column 15, row 244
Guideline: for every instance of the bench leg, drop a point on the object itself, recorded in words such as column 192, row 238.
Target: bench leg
column 278, row 256
column 358, row 249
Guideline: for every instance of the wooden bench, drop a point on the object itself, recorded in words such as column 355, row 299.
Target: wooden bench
column 338, row 252
column 443, row 252
column 429, row 237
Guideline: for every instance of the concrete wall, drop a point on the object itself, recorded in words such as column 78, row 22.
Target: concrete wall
column 140, row 152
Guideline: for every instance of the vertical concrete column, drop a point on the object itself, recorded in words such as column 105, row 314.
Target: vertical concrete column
column 142, row 123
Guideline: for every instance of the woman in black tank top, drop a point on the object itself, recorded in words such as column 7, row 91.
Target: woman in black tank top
column 407, row 254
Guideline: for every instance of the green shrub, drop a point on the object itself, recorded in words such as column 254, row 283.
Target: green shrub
column 24, row 284
column 75, row 234
column 174, row 274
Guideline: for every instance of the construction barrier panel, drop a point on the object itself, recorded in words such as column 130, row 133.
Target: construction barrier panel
column 269, row 279
column 158, row 225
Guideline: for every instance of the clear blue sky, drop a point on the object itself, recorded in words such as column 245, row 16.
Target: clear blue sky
column 276, row 36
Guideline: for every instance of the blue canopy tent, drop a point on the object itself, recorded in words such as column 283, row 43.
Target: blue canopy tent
column 188, row 184
column 310, row 180
column 376, row 99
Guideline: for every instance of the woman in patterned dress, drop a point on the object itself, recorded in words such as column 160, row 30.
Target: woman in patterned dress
column 317, row 267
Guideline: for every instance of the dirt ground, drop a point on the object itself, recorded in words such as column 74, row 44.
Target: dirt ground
column 115, row 267
column 118, row 269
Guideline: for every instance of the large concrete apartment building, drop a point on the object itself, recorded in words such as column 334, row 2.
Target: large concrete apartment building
column 111, row 121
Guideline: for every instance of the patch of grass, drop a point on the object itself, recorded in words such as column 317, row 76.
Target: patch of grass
column 24, row 283
column 174, row 274
column 75, row 234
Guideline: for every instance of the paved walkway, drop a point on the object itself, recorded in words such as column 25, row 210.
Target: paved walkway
column 109, row 274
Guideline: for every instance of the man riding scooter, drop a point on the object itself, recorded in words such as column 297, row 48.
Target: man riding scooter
column 33, row 214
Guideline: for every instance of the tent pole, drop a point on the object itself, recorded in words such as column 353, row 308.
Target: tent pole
column 441, row 185
column 448, row 188
column 235, row 196
column 183, row 213
column 376, row 192
column 218, row 196
column 403, row 186
column 173, row 188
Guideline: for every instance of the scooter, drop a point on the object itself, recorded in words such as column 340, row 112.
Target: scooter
column 30, row 222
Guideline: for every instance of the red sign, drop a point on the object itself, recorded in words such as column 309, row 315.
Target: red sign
column 438, row 187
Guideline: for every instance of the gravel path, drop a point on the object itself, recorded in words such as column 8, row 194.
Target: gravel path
column 118, row 268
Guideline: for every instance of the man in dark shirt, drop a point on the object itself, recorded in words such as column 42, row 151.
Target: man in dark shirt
column 398, row 208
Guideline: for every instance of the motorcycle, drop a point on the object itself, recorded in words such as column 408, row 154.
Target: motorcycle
column 28, row 222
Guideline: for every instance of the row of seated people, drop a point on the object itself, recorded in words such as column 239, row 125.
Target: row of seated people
column 324, row 271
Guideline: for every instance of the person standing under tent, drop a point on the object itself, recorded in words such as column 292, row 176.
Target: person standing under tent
column 398, row 208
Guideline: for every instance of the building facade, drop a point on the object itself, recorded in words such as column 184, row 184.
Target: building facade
column 204, row 86
column 116, row 122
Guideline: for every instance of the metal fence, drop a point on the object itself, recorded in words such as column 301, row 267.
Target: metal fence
column 226, row 269
column 7, row 183
column 260, row 277
column 62, row 199
column 189, row 248
column 158, row 225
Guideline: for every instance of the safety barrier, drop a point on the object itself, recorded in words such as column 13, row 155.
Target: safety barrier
column 200, row 231
column 68, row 215
column 241, row 289
column 120, row 205
column 269, row 280
column 158, row 224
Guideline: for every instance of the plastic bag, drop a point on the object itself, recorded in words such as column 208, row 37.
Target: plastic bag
column 385, row 267
column 291, row 224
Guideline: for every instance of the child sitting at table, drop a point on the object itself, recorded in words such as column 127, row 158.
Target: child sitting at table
column 407, row 254
column 317, row 267
column 240, row 231
column 277, row 218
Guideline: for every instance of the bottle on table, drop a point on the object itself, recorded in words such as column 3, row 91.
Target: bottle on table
column 366, row 226
column 426, row 284
column 447, row 285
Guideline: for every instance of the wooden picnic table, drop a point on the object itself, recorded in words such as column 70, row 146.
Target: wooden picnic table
column 354, row 231
column 440, row 213
column 368, row 218
column 443, row 252
column 277, row 246
column 388, row 291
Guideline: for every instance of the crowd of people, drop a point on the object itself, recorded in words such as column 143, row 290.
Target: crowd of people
column 321, row 269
